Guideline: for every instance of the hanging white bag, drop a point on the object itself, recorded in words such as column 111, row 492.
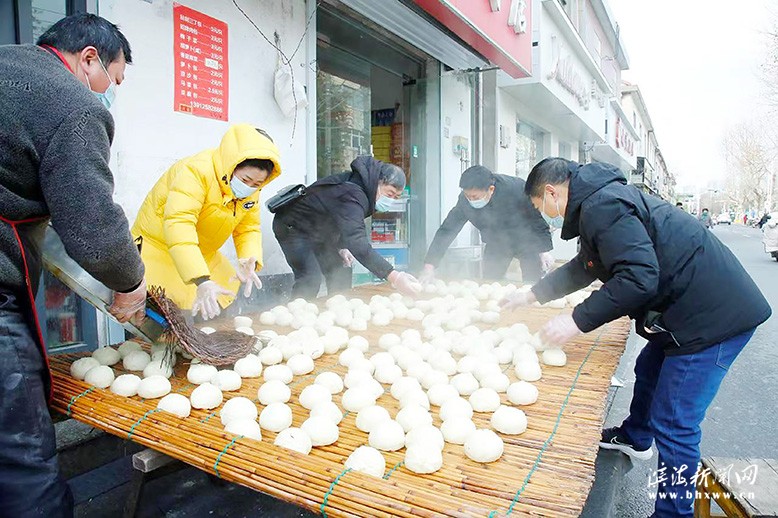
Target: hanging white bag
column 289, row 93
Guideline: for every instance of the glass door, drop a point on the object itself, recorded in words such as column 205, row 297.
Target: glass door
column 342, row 111
column 442, row 141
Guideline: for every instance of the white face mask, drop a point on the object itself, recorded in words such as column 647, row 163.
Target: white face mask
column 240, row 189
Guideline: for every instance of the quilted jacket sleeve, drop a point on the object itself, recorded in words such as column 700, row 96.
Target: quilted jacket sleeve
column 248, row 236
column 182, row 211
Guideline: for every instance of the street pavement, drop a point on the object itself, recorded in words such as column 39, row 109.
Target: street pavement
column 741, row 421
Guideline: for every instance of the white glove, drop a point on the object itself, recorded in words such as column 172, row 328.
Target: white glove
column 207, row 300
column 559, row 330
column 130, row 307
column 405, row 283
column 517, row 299
column 347, row 256
column 546, row 261
column 247, row 274
column 427, row 274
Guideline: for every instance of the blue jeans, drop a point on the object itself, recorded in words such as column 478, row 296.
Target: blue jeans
column 671, row 396
column 30, row 482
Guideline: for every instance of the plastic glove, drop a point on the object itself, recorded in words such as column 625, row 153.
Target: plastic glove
column 130, row 307
column 559, row 330
column 517, row 299
column 405, row 283
column 347, row 256
column 427, row 274
column 206, row 301
column 247, row 274
column 546, row 261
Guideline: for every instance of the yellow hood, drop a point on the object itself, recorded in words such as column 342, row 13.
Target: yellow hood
column 243, row 142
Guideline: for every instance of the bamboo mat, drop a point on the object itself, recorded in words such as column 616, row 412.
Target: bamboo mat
column 546, row 471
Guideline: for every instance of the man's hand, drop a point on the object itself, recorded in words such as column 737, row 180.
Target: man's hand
column 348, row 257
column 559, row 330
column 247, row 274
column 130, row 307
column 405, row 283
column 517, row 299
column 206, row 301
column 427, row 274
column 546, row 261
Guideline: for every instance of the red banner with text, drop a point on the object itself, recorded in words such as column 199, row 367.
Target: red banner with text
column 201, row 64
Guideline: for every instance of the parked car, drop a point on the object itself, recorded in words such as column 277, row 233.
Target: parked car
column 724, row 219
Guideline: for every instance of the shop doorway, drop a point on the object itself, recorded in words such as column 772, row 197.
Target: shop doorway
column 378, row 95
column 364, row 108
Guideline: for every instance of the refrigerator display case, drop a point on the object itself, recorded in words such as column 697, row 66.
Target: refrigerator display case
column 389, row 236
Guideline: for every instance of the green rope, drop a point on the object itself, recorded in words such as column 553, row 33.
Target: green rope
column 139, row 421
column 206, row 418
column 313, row 373
column 547, row 443
column 396, row 466
column 76, row 398
column 183, row 388
column 330, row 490
column 219, row 457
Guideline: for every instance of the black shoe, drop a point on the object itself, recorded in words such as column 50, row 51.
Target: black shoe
column 615, row 439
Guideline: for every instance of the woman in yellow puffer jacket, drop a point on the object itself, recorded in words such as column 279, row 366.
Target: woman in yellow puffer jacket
column 194, row 208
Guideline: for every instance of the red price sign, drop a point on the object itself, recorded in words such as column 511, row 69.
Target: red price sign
column 201, row 68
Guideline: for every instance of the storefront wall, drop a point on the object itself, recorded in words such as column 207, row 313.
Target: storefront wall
column 562, row 108
column 621, row 142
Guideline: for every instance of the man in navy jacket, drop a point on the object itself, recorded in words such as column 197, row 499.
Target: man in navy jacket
column 690, row 296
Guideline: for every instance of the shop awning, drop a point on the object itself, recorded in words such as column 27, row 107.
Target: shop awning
column 402, row 21
column 499, row 30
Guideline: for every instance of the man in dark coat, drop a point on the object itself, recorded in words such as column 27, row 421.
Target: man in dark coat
column 324, row 231
column 691, row 298
column 55, row 137
column 510, row 226
column 764, row 219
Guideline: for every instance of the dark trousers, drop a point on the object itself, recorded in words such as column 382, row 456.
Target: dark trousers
column 671, row 396
column 310, row 259
column 497, row 259
column 30, row 482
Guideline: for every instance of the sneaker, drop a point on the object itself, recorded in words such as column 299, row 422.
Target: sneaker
column 615, row 439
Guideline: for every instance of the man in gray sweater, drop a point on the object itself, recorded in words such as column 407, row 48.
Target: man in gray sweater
column 55, row 138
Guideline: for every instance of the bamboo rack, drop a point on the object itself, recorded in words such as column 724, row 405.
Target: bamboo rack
column 546, row 471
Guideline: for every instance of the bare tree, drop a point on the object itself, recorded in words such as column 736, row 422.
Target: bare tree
column 750, row 154
column 768, row 72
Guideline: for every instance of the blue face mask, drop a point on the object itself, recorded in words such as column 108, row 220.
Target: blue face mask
column 555, row 222
column 480, row 203
column 240, row 189
column 384, row 204
column 109, row 96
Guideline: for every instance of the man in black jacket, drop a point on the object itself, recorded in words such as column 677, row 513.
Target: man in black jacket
column 55, row 137
column 324, row 231
column 510, row 226
column 689, row 295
